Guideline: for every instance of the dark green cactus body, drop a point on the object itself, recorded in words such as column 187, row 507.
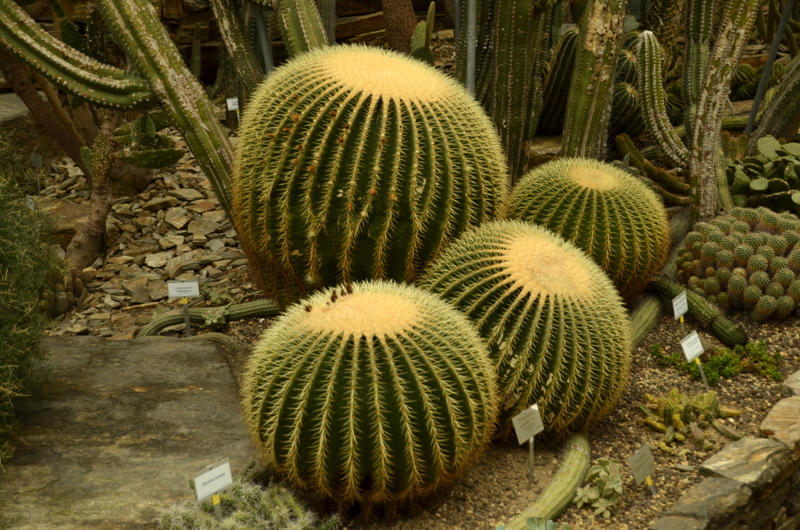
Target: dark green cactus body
column 356, row 163
column 556, row 86
column 603, row 210
column 556, row 327
column 373, row 393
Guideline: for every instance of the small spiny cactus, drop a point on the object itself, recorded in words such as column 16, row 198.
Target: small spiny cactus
column 603, row 210
column 373, row 393
column 557, row 331
column 356, row 163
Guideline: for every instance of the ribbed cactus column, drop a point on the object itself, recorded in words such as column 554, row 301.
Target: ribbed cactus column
column 699, row 18
column 608, row 213
column 557, row 330
column 375, row 393
column 357, row 163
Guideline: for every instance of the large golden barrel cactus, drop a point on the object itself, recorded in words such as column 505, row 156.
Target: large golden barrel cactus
column 376, row 393
column 358, row 163
column 556, row 327
column 602, row 209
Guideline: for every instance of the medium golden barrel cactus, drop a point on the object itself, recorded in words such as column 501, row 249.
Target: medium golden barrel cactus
column 376, row 393
column 556, row 327
column 358, row 163
column 603, row 210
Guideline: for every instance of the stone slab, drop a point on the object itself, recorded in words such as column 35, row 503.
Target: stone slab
column 791, row 386
column 756, row 462
column 119, row 431
column 717, row 502
column 783, row 423
column 678, row 522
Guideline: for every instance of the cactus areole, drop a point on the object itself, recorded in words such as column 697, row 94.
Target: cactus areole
column 556, row 327
column 374, row 393
column 357, row 163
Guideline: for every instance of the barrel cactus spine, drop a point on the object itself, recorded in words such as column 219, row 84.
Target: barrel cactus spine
column 372, row 393
column 556, row 327
column 603, row 210
column 358, row 163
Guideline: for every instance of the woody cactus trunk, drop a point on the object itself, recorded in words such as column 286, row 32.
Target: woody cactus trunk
column 708, row 74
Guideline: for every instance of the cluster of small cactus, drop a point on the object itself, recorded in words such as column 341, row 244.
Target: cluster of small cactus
column 557, row 331
column 770, row 178
column 746, row 78
column 357, row 163
column 605, row 211
column 678, row 416
column 604, row 489
column 747, row 260
column 374, row 393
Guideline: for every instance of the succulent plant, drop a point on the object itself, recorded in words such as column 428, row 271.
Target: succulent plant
column 761, row 278
column 556, row 328
column 603, row 210
column 356, row 163
column 373, row 393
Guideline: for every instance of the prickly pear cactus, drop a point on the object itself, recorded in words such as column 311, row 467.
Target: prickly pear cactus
column 748, row 260
column 556, row 327
column 376, row 393
column 769, row 178
column 603, row 210
column 359, row 163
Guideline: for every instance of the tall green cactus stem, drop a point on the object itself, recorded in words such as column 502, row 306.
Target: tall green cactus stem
column 147, row 45
column 643, row 318
column 556, row 84
column 559, row 493
column 782, row 114
column 375, row 393
column 601, row 209
column 70, row 69
column 544, row 25
column 556, row 328
column 357, row 163
column 699, row 19
column 237, row 44
column 735, row 25
column 654, row 109
column 592, row 87
column 301, row 26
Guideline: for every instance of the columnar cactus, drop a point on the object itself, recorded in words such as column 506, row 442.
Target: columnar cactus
column 758, row 275
column 556, row 327
column 358, row 163
column 372, row 393
column 603, row 210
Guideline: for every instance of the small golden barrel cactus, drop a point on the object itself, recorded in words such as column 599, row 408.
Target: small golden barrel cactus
column 357, row 163
column 372, row 394
column 556, row 327
column 603, row 210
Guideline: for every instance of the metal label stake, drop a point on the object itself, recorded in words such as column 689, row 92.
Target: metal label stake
column 528, row 424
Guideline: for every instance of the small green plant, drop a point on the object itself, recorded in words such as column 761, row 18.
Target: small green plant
column 604, row 487
column 723, row 362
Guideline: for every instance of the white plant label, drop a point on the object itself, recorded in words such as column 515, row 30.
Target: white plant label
column 692, row 347
column 185, row 289
column 642, row 463
column 680, row 306
column 528, row 424
column 233, row 103
column 213, row 479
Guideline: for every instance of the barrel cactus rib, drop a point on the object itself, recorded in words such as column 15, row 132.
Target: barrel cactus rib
column 360, row 177
column 72, row 70
column 550, row 342
column 654, row 109
column 603, row 210
column 389, row 397
column 301, row 26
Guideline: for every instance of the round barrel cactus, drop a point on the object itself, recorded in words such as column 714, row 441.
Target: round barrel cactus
column 603, row 210
column 556, row 327
column 374, row 393
column 757, row 275
column 358, row 163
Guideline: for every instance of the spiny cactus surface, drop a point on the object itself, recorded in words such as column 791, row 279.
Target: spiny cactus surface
column 557, row 331
column 376, row 393
column 603, row 210
column 358, row 163
column 746, row 260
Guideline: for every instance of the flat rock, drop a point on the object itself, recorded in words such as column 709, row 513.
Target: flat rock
column 160, row 203
column 791, row 387
column 783, row 423
column 133, row 284
column 202, row 227
column 177, row 217
column 717, row 502
column 201, row 206
column 158, row 260
column 186, row 194
column 119, row 431
column 70, row 217
column 755, row 462
column 157, row 290
column 678, row 522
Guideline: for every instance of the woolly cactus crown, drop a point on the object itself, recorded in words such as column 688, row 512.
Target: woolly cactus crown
column 603, row 210
column 375, row 393
column 556, row 327
column 359, row 163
